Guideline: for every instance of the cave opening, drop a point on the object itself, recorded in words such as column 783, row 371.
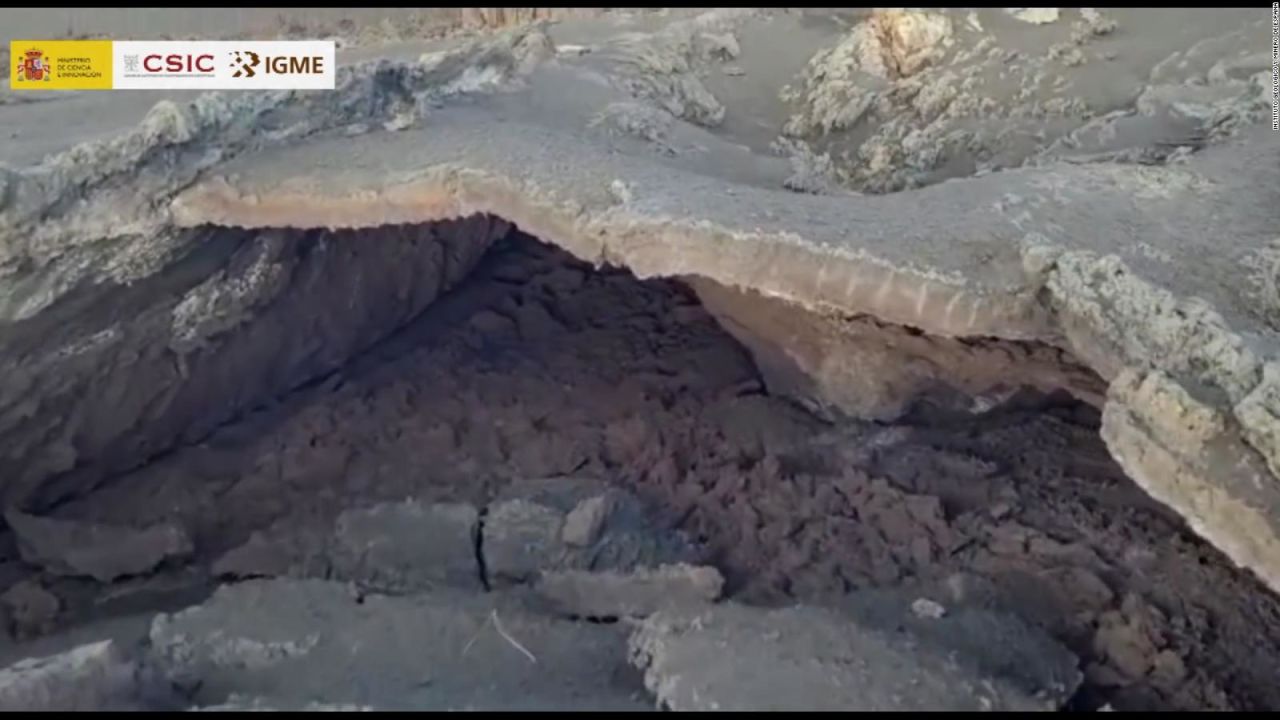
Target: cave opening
column 324, row 372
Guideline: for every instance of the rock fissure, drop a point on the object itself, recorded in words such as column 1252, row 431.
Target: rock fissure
column 482, row 568
column 489, row 382
column 930, row 302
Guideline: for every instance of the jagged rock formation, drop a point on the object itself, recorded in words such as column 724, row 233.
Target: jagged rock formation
column 151, row 282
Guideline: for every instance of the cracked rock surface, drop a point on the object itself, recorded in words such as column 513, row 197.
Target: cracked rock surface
column 817, row 659
column 98, row 551
column 299, row 641
column 829, row 300
column 631, row 433
column 507, row 125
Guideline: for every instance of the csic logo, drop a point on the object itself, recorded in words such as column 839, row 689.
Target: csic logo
column 33, row 67
column 174, row 63
column 243, row 67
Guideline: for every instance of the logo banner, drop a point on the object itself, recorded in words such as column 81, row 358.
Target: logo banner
column 172, row 65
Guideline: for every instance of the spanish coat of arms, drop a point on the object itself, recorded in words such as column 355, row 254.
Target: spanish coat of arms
column 34, row 67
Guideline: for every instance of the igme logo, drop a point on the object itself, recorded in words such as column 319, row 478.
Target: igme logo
column 245, row 62
column 244, row 67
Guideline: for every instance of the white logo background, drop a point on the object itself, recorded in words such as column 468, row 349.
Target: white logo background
column 129, row 65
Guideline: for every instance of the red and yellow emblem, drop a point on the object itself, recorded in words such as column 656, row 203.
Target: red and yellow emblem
column 33, row 67
column 40, row 65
